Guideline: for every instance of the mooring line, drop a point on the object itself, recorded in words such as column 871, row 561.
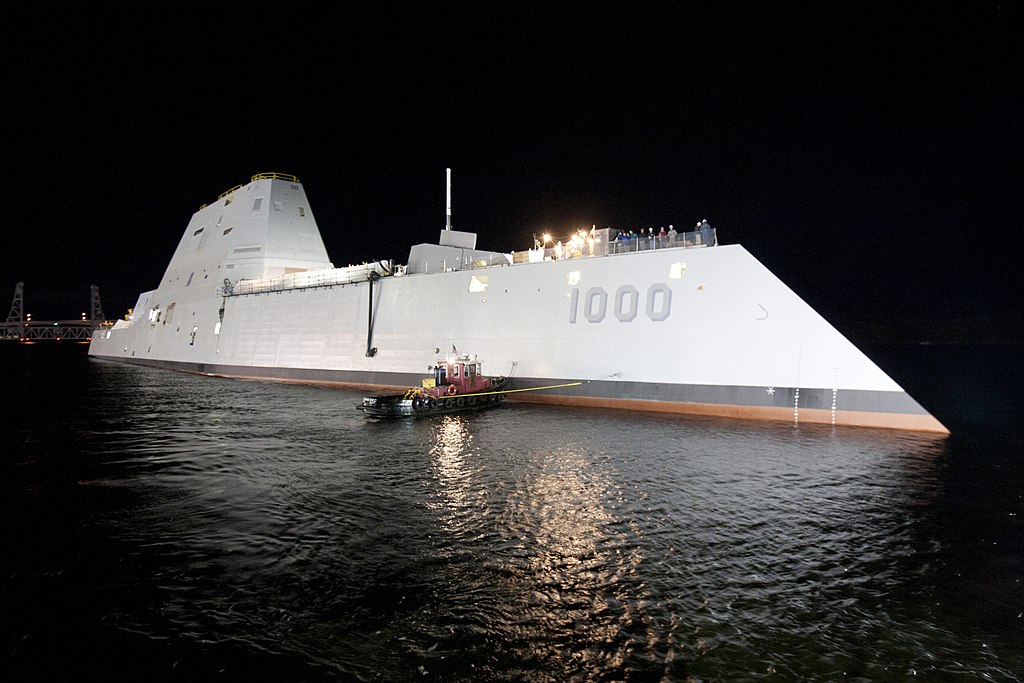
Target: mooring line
column 551, row 386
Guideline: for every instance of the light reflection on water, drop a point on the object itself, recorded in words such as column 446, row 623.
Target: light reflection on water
column 578, row 584
column 460, row 492
column 561, row 563
column 271, row 530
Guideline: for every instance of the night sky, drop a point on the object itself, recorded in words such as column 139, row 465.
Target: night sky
column 870, row 154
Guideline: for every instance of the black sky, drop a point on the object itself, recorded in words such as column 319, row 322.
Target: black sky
column 868, row 153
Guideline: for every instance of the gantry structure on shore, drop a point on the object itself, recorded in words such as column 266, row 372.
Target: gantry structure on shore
column 20, row 327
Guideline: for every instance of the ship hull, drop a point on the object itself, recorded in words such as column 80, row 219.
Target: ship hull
column 873, row 409
column 707, row 331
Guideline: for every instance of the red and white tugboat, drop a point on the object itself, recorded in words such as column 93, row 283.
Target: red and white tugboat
column 454, row 385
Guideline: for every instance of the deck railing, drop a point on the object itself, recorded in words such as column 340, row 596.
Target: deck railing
column 624, row 243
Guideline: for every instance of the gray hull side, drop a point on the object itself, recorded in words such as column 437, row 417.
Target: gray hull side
column 886, row 409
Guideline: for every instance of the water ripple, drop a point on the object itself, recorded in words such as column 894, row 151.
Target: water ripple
column 263, row 529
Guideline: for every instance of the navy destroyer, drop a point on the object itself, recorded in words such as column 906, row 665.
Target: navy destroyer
column 672, row 323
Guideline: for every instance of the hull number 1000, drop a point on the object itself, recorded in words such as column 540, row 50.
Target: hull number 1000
column 625, row 304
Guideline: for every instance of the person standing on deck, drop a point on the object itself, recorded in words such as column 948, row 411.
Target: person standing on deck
column 705, row 232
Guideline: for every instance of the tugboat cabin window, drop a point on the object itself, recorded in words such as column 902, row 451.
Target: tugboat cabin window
column 455, row 371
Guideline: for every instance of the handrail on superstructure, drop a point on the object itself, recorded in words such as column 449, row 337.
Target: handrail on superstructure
column 225, row 193
column 272, row 175
column 269, row 175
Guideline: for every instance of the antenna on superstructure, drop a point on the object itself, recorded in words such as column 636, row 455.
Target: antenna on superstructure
column 448, row 225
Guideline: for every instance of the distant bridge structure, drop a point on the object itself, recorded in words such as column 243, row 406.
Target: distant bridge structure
column 21, row 328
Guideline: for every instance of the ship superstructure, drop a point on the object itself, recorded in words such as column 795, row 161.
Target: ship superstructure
column 665, row 323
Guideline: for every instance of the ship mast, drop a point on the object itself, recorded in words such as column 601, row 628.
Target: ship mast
column 448, row 225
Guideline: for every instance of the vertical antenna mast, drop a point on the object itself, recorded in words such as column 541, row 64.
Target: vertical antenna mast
column 448, row 225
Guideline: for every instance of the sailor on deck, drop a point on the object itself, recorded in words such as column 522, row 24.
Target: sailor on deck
column 705, row 232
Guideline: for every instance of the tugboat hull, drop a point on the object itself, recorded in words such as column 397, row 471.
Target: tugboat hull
column 398, row 405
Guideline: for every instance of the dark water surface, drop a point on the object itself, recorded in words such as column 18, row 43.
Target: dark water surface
column 163, row 526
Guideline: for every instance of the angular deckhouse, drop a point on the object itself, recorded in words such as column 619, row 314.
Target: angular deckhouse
column 672, row 324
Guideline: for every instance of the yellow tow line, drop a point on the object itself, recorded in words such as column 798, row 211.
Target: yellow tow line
column 505, row 391
column 553, row 386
